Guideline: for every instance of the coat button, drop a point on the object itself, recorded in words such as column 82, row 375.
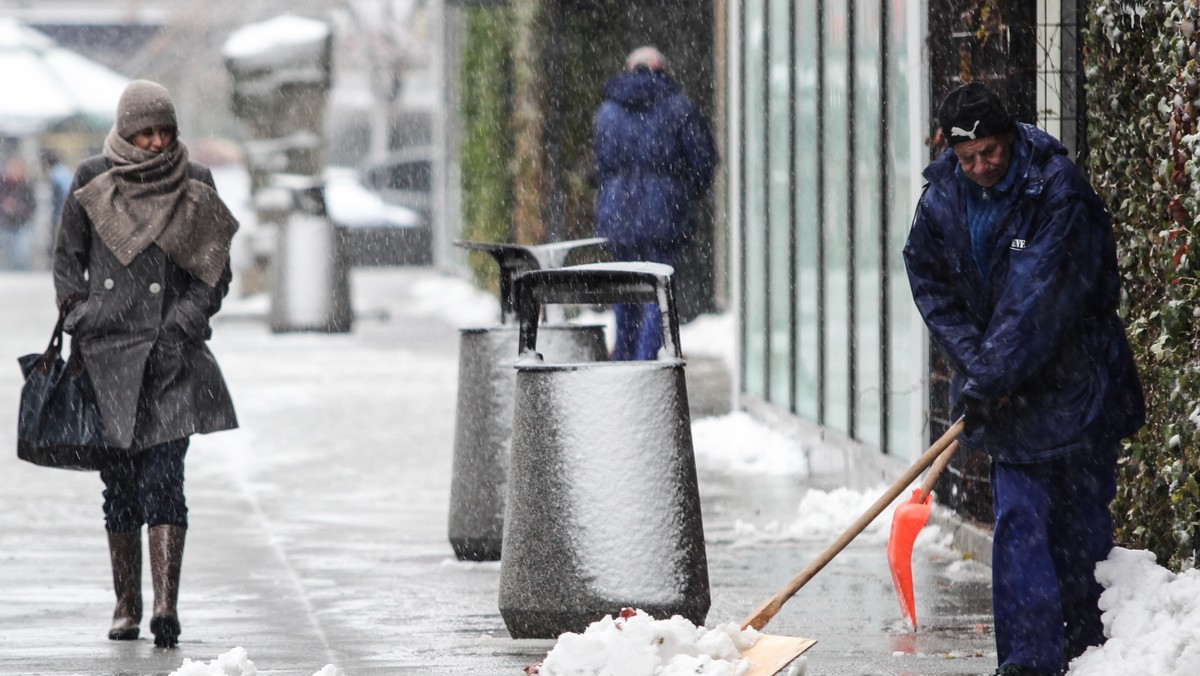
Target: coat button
column 155, row 287
column 108, row 284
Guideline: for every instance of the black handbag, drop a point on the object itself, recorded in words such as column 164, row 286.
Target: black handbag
column 59, row 423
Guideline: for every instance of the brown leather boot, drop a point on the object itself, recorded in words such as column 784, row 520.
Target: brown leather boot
column 166, row 560
column 125, row 551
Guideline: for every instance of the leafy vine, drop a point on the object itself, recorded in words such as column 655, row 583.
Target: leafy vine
column 1145, row 163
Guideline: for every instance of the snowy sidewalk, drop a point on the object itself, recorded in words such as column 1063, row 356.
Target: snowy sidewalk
column 318, row 530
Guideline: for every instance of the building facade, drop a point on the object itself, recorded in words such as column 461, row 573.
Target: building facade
column 827, row 128
column 823, row 110
column 826, row 119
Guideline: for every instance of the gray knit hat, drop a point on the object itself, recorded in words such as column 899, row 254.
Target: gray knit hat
column 970, row 112
column 144, row 104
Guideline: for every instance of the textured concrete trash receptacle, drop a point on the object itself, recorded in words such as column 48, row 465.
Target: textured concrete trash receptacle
column 310, row 285
column 486, row 380
column 603, row 507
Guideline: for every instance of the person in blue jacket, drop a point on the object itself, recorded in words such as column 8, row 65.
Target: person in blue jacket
column 654, row 160
column 1012, row 264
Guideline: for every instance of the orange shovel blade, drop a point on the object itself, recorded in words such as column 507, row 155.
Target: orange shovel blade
column 907, row 521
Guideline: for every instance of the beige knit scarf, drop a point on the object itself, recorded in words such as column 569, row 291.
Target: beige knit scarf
column 147, row 197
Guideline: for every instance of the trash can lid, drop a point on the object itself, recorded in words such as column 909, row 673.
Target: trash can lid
column 513, row 259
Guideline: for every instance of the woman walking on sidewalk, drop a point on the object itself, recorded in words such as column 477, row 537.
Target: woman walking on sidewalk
column 142, row 262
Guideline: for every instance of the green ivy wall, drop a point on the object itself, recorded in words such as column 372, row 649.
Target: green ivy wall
column 486, row 89
column 531, row 78
column 1143, row 97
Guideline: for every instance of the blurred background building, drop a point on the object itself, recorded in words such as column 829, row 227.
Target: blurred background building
column 377, row 124
column 472, row 118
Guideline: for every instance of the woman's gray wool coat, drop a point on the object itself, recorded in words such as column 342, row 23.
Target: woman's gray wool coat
column 141, row 331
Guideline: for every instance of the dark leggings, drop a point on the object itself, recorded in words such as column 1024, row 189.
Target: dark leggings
column 146, row 488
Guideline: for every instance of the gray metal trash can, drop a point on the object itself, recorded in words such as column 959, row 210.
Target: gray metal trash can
column 310, row 284
column 603, row 508
column 484, row 412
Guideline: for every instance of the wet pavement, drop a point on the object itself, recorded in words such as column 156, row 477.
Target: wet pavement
column 318, row 530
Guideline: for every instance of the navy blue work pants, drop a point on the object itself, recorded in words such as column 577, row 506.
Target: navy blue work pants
column 146, row 488
column 639, row 326
column 1052, row 527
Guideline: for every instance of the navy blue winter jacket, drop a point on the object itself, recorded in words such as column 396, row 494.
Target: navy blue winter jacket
column 654, row 157
column 1039, row 338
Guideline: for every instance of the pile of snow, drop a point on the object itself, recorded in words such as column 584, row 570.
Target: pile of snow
column 636, row 644
column 825, row 514
column 711, row 335
column 53, row 83
column 739, row 443
column 234, row 663
column 351, row 204
column 1151, row 618
column 274, row 40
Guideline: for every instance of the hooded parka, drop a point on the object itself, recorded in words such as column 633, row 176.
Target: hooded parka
column 141, row 330
column 654, row 158
column 1036, row 336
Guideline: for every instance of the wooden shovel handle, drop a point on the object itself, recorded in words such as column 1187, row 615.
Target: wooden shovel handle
column 931, row 477
column 763, row 614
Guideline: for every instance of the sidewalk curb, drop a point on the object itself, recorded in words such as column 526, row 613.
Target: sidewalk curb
column 972, row 540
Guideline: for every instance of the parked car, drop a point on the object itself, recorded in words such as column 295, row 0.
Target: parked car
column 374, row 231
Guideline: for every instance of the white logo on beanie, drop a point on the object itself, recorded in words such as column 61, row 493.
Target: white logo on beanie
column 959, row 131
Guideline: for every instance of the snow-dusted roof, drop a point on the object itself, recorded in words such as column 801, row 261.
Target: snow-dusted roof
column 45, row 83
column 282, row 35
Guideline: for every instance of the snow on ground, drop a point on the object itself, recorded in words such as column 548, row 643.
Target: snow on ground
column 234, row 663
column 823, row 515
column 635, row 643
column 711, row 335
column 1151, row 618
column 1151, row 615
column 739, row 443
column 456, row 301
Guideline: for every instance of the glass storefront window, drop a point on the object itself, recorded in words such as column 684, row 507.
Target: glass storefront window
column 808, row 164
column 754, row 263
column 836, row 390
column 869, row 222
column 826, row 194
column 906, row 338
column 779, row 226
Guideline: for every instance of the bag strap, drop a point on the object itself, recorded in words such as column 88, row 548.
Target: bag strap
column 54, row 349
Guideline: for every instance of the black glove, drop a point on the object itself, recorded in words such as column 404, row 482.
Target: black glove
column 976, row 413
column 172, row 332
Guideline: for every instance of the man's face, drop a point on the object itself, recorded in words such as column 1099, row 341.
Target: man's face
column 985, row 160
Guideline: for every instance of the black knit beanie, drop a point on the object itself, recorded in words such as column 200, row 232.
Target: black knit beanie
column 972, row 111
column 144, row 104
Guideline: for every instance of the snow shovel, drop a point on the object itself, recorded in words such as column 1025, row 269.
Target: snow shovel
column 907, row 521
column 771, row 654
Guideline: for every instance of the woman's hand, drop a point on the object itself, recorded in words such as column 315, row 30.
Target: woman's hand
column 77, row 315
column 172, row 332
